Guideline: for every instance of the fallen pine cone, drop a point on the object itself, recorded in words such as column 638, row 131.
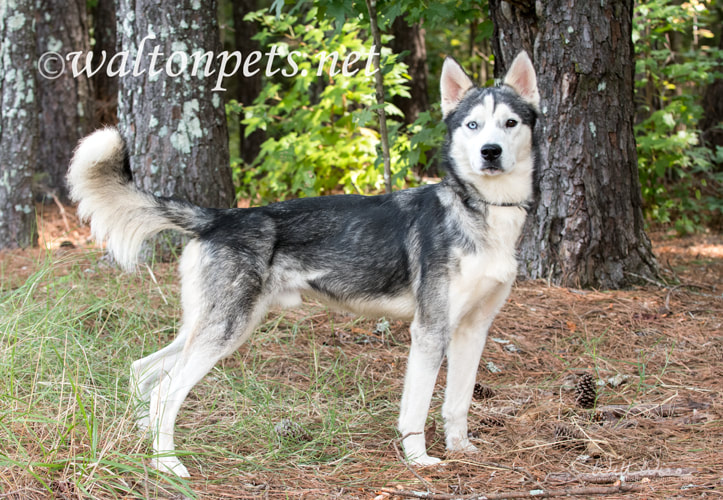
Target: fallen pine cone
column 568, row 437
column 486, row 424
column 288, row 429
column 483, row 392
column 492, row 421
column 585, row 391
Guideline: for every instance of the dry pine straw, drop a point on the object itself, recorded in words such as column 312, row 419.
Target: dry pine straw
column 659, row 408
column 652, row 345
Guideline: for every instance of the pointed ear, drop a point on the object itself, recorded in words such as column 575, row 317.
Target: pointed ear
column 521, row 77
column 453, row 85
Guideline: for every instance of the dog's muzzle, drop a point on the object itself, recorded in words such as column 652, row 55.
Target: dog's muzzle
column 491, row 155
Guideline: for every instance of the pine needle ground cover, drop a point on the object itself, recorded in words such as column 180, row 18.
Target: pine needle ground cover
column 580, row 392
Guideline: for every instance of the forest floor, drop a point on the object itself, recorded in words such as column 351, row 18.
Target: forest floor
column 654, row 355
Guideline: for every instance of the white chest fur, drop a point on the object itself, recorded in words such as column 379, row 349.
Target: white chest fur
column 483, row 275
column 499, row 253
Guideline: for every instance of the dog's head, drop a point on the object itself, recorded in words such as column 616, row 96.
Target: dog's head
column 490, row 130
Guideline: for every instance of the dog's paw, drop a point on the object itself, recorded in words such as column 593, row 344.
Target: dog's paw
column 143, row 422
column 424, row 461
column 170, row 464
column 461, row 446
column 143, row 417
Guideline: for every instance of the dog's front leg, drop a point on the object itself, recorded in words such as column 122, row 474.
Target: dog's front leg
column 425, row 358
column 463, row 356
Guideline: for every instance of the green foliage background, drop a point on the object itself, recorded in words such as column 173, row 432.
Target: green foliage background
column 322, row 131
column 676, row 60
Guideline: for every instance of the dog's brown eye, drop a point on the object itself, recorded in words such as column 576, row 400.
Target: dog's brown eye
column 472, row 125
column 510, row 123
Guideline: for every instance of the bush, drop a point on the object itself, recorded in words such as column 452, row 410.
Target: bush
column 322, row 128
column 677, row 173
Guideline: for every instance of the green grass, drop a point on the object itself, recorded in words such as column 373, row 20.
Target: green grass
column 71, row 324
column 67, row 337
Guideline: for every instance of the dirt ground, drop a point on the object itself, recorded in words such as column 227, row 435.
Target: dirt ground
column 648, row 362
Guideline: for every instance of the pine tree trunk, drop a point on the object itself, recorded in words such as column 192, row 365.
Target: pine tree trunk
column 249, row 87
column 586, row 227
column 18, row 123
column 174, row 126
column 713, row 110
column 410, row 38
column 66, row 102
column 105, row 87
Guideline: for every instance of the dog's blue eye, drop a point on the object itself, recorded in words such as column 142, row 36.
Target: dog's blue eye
column 472, row 125
column 510, row 123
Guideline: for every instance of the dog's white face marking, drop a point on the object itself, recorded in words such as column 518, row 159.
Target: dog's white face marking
column 493, row 147
column 492, row 140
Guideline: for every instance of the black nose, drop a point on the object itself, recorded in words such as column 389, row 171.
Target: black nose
column 491, row 152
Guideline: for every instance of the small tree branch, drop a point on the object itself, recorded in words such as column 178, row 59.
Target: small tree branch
column 666, row 410
column 405, row 462
column 611, row 477
column 379, row 80
column 561, row 492
column 620, row 485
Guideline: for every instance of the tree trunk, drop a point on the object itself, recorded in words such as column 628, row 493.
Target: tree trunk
column 379, row 92
column 105, row 87
column 410, row 38
column 174, row 126
column 249, row 87
column 713, row 110
column 18, row 123
column 586, row 227
column 66, row 102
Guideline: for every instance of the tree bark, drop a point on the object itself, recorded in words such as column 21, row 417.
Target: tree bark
column 249, row 87
column 174, row 126
column 410, row 38
column 586, row 228
column 105, row 87
column 18, row 123
column 379, row 92
column 66, row 102
column 713, row 110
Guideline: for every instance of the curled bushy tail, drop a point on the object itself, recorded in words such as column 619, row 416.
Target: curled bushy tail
column 119, row 213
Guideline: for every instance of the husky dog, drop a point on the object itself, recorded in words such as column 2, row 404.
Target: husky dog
column 442, row 256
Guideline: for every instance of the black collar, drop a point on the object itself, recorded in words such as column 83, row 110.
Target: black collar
column 473, row 201
column 523, row 204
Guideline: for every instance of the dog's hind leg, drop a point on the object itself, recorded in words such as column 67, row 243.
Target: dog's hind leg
column 425, row 358
column 222, row 304
column 166, row 400
column 147, row 373
column 225, row 322
column 207, row 343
